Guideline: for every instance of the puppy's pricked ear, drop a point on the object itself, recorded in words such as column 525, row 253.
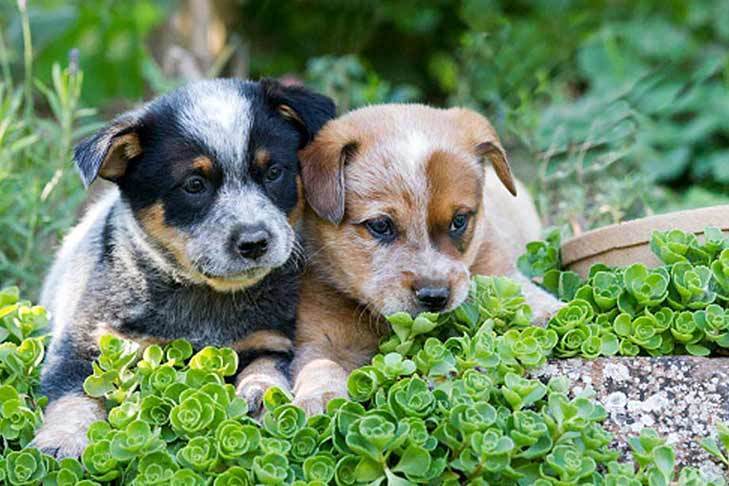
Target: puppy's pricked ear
column 308, row 110
column 107, row 153
column 322, row 171
column 482, row 137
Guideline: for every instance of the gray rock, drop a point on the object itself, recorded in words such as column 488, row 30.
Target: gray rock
column 682, row 397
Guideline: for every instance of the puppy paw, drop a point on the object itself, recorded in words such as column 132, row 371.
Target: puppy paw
column 63, row 433
column 59, row 444
column 317, row 383
column 544, row 308
column 252, row 392
column 316, row 403
column 255, row 379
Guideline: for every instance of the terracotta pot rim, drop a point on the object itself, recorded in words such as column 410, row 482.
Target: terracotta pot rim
column 638, row 232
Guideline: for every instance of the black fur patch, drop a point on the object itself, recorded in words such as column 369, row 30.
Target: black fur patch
column 66, row 373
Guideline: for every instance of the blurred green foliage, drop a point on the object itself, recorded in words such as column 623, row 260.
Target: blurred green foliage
column 109, row 34
column 39, row 192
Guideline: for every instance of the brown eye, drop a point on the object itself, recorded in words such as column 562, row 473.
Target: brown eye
column 382, row 229
column 273, row 173
column 194, row 185
column 459, row 223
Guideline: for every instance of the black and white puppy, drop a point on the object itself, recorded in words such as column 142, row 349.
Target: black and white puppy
column 197, row 241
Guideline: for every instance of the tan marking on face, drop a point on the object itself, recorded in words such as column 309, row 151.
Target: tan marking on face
column 455, row 186
column 204, row 165
column 261, row 158
column 264, row 340
column 174, row 241
column 297, row 211
column 347, row 265
column 152, row 220
column 235, row 284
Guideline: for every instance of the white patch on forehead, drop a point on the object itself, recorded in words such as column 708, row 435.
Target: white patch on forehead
column 219, row 115
column 413, row 149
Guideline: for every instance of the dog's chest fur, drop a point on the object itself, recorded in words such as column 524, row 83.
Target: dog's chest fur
column 166, row 311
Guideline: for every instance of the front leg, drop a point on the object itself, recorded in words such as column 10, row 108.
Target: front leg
column 261, row 374
column 265, row 356
column 70, row 412
column 333, row 337
column 317, row 381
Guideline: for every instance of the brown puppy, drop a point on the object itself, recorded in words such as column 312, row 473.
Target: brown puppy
column 403, row 210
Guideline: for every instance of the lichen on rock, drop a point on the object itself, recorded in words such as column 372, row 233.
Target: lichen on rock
column 681, row 397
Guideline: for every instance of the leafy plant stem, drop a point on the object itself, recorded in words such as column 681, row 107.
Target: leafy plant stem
column 5, row 62
column 27, row 58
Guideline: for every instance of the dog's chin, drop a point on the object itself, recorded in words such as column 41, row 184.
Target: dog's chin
column 389, row 308
column 237, row 282
column 412, row 308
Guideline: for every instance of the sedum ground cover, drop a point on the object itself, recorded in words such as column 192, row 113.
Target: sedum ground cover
column 446, row 401
column 681, row 307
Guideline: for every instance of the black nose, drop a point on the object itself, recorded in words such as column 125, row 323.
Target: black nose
column 254, row 244
column 433, row 298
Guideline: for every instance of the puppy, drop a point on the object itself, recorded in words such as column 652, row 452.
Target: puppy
column 402, row 211
column 196, row 241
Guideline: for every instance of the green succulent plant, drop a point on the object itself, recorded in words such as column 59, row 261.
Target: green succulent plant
column 720, row 271
column 673, row 246
column 691, row 286
column 675, row 308
column 540, row 257
column 446, row 401
column 643, row 288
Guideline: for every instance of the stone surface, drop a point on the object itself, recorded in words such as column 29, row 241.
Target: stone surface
column 682, row 397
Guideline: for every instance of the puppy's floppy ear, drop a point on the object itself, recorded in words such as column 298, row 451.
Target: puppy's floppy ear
column 308, row 110
column 322, row 171
column 482, row 138
column 107, row 153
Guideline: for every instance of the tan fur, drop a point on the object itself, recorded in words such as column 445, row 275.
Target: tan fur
column 262, row 373
column 289, row 113
column 455, row 187
column 236, row 284
column 320, row 381
column 204, row 165
column 420, row 166
column 323, row 170
column 123, row 148
column 255, row 379
column 261, row 158
column 65, row 424
column 271, row 340
column 298, row 211
column 152, row 220
column 479, row 134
